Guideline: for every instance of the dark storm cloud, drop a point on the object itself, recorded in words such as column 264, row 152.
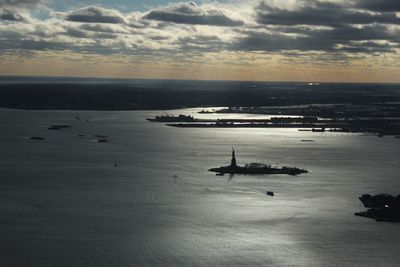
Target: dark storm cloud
column 320, row 13
column 379, row 5
column 11, row 15
column 191, row 13
column 94, row 14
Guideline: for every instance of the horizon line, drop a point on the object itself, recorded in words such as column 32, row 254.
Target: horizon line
column 189, row 80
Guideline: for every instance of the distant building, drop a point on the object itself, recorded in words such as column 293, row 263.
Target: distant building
column 233, row 160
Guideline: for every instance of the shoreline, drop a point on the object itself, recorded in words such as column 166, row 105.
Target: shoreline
column 156, row 96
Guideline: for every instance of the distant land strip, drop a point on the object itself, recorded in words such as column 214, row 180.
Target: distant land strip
column 92, row 96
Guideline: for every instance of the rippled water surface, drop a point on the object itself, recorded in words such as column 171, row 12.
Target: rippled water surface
column 63, row 202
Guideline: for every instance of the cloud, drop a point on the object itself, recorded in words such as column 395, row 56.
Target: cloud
column 379, row 5
column 200, row 43
column 10, row 15
column 95, row 14
column 319, row 13
column 367, row 39
column 320, row 26
column 368, row 47
column 8, row 3
column 106, row 28
column 17, row 10
column 186, row 30
column 191, row 13
column 79, row 33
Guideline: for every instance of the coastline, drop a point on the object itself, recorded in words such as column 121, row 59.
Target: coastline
column 156, row 96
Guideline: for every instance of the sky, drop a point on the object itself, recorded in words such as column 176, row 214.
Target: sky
column 263, row 40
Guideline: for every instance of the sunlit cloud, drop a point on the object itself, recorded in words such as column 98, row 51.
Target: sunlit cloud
column 293, row 31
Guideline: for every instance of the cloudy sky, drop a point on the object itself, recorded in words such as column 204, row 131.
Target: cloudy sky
column 273, row 40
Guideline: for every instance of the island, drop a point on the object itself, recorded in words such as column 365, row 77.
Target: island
column 381, row 207
column 377, row 117
column 255, row 168
column 171, row 118
column 307, row 121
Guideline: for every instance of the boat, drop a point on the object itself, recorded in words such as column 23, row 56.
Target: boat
column 37, row 138
column 58, row 127
column 255, row 168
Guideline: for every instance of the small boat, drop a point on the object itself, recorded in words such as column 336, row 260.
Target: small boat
column 37, row 138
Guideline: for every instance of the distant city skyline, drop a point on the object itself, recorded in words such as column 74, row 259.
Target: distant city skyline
column 270, row 40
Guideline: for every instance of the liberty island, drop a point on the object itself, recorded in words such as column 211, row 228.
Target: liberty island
column 255, row 168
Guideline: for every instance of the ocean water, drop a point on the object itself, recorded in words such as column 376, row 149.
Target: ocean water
column 64, row 203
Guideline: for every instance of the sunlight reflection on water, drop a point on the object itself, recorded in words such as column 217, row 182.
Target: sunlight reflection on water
column 64, row 201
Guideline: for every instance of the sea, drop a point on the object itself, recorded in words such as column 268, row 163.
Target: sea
column 146, row 197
